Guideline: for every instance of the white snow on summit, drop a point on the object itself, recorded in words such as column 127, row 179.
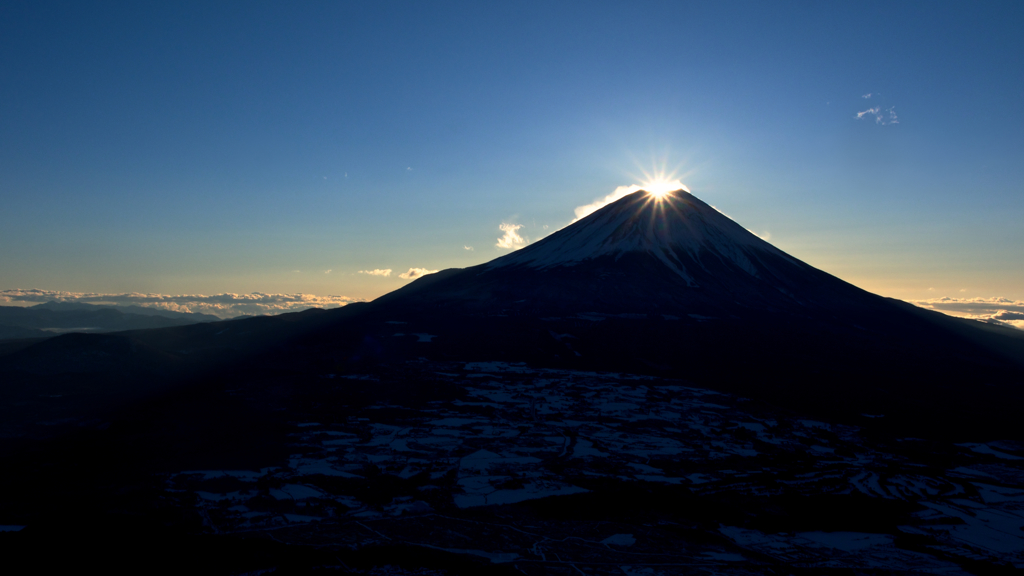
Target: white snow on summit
column 679, row 224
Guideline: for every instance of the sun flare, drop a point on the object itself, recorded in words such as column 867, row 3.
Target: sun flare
column 660, row 188
column 661, row 182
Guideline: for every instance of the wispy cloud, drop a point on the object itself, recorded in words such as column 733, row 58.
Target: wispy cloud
column 882, row 117
column 328, row 271
column 868, row 95
column 225, row 305
column 870, row 111
column 511, row 240
column 994, row 310
column 415, row 273
column 377, row 272
column 467, row 248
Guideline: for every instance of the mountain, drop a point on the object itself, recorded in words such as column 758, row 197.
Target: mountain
column 672, row 254
column 188, row 317
column 56, row 318
column 695, row 242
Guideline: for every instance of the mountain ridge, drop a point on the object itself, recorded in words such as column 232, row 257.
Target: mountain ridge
column 128, row 309
column 56, row 318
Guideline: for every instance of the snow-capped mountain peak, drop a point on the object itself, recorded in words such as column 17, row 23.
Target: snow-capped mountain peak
column 677, row 228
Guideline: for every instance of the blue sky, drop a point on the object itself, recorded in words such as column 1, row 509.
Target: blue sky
column 203, row 148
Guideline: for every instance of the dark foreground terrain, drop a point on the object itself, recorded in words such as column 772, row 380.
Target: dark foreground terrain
column 428, row 467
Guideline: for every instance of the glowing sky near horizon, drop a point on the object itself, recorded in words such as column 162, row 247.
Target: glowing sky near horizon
column 230, row 148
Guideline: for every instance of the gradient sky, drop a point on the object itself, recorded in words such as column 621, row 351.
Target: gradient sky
column 209, row 147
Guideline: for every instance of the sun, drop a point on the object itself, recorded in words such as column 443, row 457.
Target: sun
column 659, row 183
column 659, row 188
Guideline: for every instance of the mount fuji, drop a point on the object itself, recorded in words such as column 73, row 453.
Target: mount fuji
column 668, row 254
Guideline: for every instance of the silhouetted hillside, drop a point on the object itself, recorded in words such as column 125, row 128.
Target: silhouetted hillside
column 58, row 318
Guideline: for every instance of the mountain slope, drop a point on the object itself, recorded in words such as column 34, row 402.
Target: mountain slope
column 678, row 229
column 673, row 255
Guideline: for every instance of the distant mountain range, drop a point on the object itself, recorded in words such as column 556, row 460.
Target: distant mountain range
column 192, row 317
column 50, row 318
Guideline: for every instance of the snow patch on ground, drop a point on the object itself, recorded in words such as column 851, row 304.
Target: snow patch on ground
column 620, row 540
column 295, row 492
column 986, row 449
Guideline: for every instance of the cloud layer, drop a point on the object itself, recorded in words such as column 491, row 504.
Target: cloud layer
column 225, row 305
column 993, row 310
column 415, row 273
column 377, row 272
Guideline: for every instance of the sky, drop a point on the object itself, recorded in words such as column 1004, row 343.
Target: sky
column 230, row 148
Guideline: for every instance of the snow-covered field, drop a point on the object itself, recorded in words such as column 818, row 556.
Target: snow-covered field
column 456, row 474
